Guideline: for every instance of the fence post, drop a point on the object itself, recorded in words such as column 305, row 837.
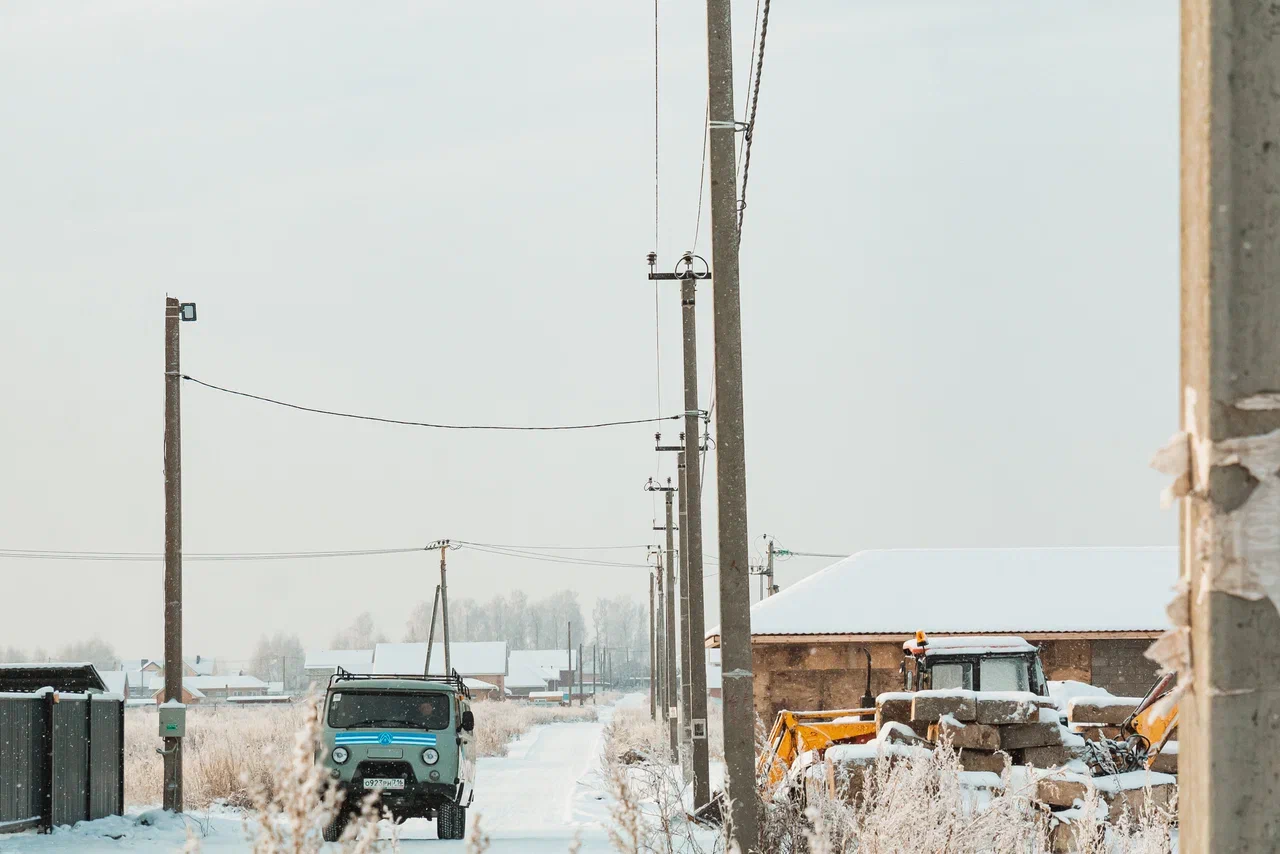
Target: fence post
column 120, row 753
column 46, row 808
column 88, row 757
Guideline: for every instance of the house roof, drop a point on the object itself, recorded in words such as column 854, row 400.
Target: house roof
column 117, row 681
column 224, row 683
column 533, row 668
column 473, row 658
column 353, row 660
column 143, row 679
column 479, row 685
column 551, row 658
column 196, row 693
column 1016, row 590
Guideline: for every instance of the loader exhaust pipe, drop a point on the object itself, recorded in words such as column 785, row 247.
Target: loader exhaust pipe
column 868, row 701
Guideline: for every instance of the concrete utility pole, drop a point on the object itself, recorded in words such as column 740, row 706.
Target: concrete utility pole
column 686, row 642
column 731, row 458
column 768, row 573
column 673, row 691
column 444, row 610
column 1230, row 743
column 174, row 313
column 653, row 655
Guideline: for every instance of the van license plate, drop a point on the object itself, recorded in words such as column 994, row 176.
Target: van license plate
column 384, row 783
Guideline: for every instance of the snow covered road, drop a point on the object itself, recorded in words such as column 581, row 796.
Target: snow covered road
column 544, row 793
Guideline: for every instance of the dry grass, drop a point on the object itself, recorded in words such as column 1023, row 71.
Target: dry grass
column 228, row 750
column 917, row 803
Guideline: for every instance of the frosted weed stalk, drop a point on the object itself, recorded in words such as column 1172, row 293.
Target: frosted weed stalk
column 649, row 812
column 296, row 802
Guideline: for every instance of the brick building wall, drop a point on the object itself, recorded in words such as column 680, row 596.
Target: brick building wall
column 832, row 674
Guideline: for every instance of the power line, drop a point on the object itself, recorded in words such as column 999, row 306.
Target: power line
column 751, row 119
column 556, row 548
column 569, row 560
column 381, row 420
column 61, row 554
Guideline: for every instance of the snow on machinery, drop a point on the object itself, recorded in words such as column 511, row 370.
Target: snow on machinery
column 799, row 739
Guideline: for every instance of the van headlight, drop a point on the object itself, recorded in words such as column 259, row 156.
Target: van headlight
column 430, row 756
column 340, row 755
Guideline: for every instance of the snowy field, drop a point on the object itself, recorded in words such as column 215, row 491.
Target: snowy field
column 548, row 791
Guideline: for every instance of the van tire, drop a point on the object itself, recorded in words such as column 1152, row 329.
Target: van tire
column 451, row 822
column 333, row 830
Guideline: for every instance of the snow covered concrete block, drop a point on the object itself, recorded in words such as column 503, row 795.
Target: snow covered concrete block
column 892, row 707
column 997, row 711
column 1166, row 761
column 1050, row 756
column 1062, row 791
column 1101, row 710
column 1132, row 799
column 932, row 705
column 972, row 735
column 984, row 760
column 1018, row 736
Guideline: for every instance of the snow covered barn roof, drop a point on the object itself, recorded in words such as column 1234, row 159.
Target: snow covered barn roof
column 235, row 682
column 1017, row 590
column 353, row 660
column 533, row 668
column 472, row 658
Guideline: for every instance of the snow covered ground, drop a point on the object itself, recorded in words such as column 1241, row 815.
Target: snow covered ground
column 548, row 790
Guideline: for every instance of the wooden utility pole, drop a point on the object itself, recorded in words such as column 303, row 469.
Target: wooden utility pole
column 673, row 714
column 1229, row 764
column 172, row 546
column 686, row 642
column 731, row 458
column 569, row 656
column 581, row 686
column 431, row 633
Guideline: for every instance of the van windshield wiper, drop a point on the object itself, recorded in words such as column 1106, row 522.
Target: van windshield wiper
column 381, row 722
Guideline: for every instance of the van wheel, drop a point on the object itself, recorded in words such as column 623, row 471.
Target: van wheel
column 452, row 822
column 333, row 830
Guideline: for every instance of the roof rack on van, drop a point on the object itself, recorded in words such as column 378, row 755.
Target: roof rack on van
column 453, row 679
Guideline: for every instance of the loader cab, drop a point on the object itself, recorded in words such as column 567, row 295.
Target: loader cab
column 973, row 664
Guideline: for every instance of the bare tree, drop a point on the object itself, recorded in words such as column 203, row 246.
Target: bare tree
column 361, row 634
column 96, row 651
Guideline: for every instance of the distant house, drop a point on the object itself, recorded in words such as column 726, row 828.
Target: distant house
column 1092, row 611
column 190, row 694
column 197, row 666
column 485, row 660
column 482, row 690
column 323, row 663
column 143, row 683
column 221, row 688
column 533, row 670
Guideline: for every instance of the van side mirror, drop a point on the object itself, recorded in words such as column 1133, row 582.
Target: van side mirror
column 468, row 721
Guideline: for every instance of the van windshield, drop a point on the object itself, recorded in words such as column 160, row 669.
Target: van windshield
column 355, row 709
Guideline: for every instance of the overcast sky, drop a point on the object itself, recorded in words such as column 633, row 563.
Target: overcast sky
column 959, row 289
